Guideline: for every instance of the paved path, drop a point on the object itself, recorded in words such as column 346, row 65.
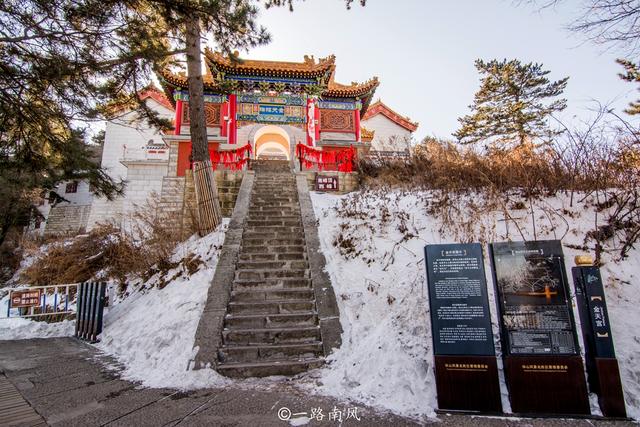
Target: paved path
column 68, row 384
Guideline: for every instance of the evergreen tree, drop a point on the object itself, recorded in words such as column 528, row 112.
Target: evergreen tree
column 65, row 64
column 513, row 103
column 632, row 74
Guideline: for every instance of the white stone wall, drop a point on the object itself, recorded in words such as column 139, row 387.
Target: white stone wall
column 124, row 144
column 126, row 137
column 389, row 136
column 338, row 136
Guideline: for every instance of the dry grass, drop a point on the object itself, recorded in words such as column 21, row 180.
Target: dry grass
column 506, row 179
column 109, row 252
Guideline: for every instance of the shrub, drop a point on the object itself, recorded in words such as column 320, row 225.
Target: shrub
column 109, row 252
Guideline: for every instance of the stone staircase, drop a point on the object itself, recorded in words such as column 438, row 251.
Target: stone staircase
column 271, row 326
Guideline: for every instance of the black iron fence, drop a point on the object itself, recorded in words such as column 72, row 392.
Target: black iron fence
column 90, row 307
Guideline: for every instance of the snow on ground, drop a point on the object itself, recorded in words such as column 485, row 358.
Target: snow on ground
column 374, row 252
column 151, row 329
column 17, row 328
column 373, row 243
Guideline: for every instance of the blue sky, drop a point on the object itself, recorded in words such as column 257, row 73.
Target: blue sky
column 423, row 51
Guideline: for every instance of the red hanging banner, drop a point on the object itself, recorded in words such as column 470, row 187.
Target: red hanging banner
column 342, row 160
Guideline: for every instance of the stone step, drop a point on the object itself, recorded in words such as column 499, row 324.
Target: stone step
column 271, row 335
column 275, row 222
column 272, row 256
column 260, row 295
column 273, row 265
column 265, row 274
column 290, row 216
column 273, row 197
column 265, row 321
column 272, row 283
column 279, row 229
column 268, row 368
column 266, row 240
column 261, row 216
column 276, row 194
column 270, row 235
column 255, row 353
column 271, row 205
column 276, row 209
column 270, row 307
column 258, row 246
column 273, row 212
column 279, row 188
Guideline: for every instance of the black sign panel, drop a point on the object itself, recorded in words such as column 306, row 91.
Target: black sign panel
column 460, row 318
column 327, row 183
column 593, row 311
column 534, row 305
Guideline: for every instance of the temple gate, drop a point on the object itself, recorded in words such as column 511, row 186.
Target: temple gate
column 273, row 107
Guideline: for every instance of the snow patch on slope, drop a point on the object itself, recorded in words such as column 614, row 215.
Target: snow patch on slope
column 386, row 357
column 152, row 331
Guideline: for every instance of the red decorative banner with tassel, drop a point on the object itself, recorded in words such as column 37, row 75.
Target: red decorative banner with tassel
column 342, row 160
column 231, row 159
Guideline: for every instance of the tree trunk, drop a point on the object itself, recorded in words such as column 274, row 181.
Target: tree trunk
column 208, row 204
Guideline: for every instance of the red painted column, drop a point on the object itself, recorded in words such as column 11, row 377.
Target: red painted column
column 224, row 111
column 233, row 128
column 178, row 121
column 316, row 114
column 357, row 116
column 310, row 131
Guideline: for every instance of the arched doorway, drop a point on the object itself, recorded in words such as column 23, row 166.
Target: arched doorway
column 272, row 142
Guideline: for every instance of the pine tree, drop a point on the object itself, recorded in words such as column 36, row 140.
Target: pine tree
column 512, row 105
column 632, row 74
column 65, row 64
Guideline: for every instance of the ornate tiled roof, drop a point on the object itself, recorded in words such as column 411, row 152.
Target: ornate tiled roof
column 309, row 68
column 157, row 95
column 321, row 72
column 180, row 79
column 354, row 89
column 379, row 107
column 366, row 135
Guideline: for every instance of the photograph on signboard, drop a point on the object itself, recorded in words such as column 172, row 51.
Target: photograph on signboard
column 534, row 300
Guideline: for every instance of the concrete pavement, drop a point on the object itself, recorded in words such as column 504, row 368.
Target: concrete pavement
column 69, row 383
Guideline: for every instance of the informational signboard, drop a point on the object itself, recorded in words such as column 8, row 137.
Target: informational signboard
column 602, row 367
column 466, row 369
column 460, row 318
column 543, row 367
column 28, row 298
column 327, row 183
column 533, row 298
column 592, row 308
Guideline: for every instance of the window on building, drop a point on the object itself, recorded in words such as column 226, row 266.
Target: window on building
column 72, row 187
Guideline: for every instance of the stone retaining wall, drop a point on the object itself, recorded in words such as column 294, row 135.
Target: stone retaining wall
column 67, row 219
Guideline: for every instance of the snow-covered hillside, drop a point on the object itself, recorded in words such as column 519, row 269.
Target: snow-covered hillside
column 150, row 329
column 374, row 244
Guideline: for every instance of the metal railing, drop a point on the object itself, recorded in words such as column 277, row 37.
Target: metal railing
column 38, row 301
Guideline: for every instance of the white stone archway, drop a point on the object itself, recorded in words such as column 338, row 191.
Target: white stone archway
column 272, row 149
column 251, row 133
